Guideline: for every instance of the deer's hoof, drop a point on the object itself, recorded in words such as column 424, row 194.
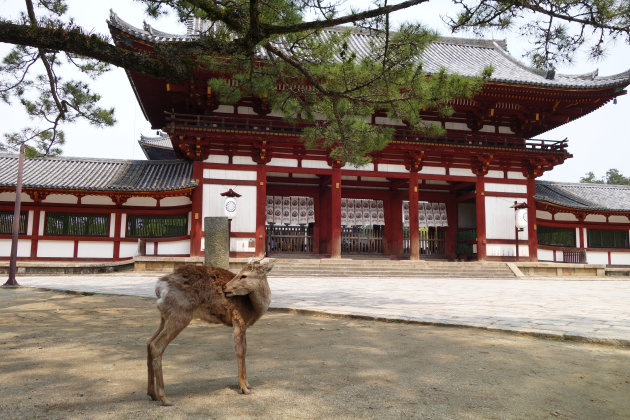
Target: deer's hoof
column 153, row 396
column 166, row 403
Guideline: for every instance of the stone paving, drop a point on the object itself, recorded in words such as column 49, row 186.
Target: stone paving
column 593, row 309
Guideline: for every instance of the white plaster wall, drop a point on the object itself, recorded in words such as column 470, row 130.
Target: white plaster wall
column 243, row 160
column 303, row 176
column 29, row 225
column 387, row 167
column 372, row 179
column 174, row 201
column 559, row 255
column 495, row 174
column 99, row 200
column 505, row 250
column 217, row 159
column 55, row 249
column 456, row 126
column 278, row 174
column 23, row 248
column 225, row 109
column 150, row 248
column 565, row 217
column 315, row 164
column 174, row 247
column 577, row 238
column 620, row 258
column 505, row 130
column 500, row 219
column 433, row 170
column 348, row 178
column 241, row 245
column 112, row 225
column 128, row 249
column 466, row 215
column 387, row 121
column 123, row 225
column 545, row 255
column 61, row 198
column 366, row 167
column 10, row 197
column 594, row 257
column 229, row 174
column 94, row 249
column 461, row 172
column 293, row 163
column 618, row 219
column 487, row 129
column 246, row 110
column 245, row 220
column 42, row 222
column 511, row 188
column 515, row 175
column 595, row 218
column 544, row 215
column 141, row 201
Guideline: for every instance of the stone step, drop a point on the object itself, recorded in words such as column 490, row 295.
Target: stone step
column 388, row 268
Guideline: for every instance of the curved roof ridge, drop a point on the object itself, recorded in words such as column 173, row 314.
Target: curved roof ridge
column 518, row 62
column 88, row 159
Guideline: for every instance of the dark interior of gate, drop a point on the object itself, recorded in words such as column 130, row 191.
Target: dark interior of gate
column 374, row 221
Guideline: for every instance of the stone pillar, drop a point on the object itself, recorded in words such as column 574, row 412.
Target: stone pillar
column 217, row 242
column 414, row 235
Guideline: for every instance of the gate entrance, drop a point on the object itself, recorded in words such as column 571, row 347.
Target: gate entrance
column 362, row 226
column 290, row 221
column 362, row 239
column 432, row 221
column 289, row 239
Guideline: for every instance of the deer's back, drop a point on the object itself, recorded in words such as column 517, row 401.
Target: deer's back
column 198, row 289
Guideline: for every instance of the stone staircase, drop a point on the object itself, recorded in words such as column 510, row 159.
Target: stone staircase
column 377, row 267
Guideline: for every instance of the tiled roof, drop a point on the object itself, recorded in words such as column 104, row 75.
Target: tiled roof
column 162, row 140
column 601, row 197
column 66, row 173
column 467, row 57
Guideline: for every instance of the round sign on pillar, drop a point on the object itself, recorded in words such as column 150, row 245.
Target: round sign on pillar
column 521, row 218
column 230, row 207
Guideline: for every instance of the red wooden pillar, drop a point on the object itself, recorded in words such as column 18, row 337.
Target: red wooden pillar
column 480, row 200
column 117, row 226
column 261, row 208
column 532, row 229
column 35, row 232
column 451, row 230
column 196, row 222
column 394, row 224
column 414, row 235
column 335, row 212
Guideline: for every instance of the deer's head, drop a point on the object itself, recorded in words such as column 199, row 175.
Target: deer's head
column 249, row 278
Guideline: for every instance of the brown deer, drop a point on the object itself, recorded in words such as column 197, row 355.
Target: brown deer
column 214, row 295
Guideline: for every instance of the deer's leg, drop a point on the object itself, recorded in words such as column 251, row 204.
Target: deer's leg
column 240, row 347
column 151, row 379
column 172, row 327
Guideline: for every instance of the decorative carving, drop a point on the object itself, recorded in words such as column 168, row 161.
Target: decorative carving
column 474, row 121
column 481, row 163
column 119, row 199
column 37, row 195
column 413, row 161
column 335, row 163
column 261, row 106
column 261, row 152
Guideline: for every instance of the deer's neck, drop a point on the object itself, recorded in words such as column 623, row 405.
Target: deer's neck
column 261, row 298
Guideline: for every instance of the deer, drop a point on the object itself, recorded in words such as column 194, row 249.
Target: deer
column 214, row 295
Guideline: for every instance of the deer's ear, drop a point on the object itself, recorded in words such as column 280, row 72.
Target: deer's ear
column 269, row 265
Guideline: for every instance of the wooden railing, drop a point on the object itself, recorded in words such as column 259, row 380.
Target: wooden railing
column 574, row 255
column 432, row 242
column 278, row 126
column 289, row 239
column 362, row 239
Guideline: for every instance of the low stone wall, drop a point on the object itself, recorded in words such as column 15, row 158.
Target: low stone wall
column 544, row 269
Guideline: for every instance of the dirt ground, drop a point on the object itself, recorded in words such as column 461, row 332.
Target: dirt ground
column 69, row 356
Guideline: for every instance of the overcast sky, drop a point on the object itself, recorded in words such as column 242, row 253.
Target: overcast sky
column 598, row 141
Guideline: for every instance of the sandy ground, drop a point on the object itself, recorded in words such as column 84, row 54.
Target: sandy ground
column 69, row 356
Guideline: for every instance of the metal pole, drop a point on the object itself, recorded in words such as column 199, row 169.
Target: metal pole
column 16, row 222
